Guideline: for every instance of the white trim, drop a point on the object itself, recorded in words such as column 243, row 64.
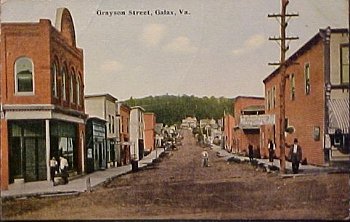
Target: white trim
column 47, row 144
column 40, row 114
column 82, row 147
column 7, row 107
column 28, row 114
column 64, row 117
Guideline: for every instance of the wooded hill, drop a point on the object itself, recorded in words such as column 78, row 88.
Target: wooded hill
column 171, row 109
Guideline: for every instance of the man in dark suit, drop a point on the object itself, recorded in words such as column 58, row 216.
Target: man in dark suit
column 296, row 155
column 250, row 152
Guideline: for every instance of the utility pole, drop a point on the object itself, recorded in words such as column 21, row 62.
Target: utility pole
column 282, row 66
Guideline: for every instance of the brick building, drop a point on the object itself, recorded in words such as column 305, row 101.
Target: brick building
column 314, row 114
column 42, row 98
column 150, row 124
column 243, row 134
column 123, row 115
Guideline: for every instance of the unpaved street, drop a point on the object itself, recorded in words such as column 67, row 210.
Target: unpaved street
column 179, row 188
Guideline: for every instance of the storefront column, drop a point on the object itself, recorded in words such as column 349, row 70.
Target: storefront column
column 82, row 148
column 47, row 145
column 4, row 162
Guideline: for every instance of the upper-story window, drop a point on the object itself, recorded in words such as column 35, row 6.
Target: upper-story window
column 268, row 102
column 292, row 86
column 273, row 97
column 307, row 79
column 127, row 125
column 113, row 124
column 24, row 71
column 109, row 124
column 71, row 88
column 63, row 91
column 122, row 123
column 77, row 88
column 344, row 60
column 54, row 79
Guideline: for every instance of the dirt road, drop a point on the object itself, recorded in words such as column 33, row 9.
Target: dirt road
column 179, row 188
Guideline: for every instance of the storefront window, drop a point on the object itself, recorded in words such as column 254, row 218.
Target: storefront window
column 63, row 141
column 66, row 148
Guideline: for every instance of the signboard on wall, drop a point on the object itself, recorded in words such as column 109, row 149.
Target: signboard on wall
column 255, row 121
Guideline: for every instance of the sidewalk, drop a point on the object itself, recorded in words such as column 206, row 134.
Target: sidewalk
column 303, row 169
column 77, row 185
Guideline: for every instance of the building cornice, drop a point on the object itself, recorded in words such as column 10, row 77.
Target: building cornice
column 43, row 107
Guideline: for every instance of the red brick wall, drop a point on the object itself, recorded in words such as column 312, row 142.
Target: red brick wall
column 228, row 129
column 30, row 40
column 43, row 44
column 72, row 59
column 305, row 111
column 125, row 131
column 150, row 122
column 243, row 102
column 4, row 162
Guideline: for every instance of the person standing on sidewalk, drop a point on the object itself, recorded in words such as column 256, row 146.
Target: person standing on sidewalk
column 250, row 152
column 271, row 147
column 53, row 169
column 296, row 155
column 64, row 169
column 205, row 158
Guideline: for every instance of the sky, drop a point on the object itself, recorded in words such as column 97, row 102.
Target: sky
column 213, row 48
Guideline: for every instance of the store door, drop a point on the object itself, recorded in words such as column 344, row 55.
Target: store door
column 34, row 164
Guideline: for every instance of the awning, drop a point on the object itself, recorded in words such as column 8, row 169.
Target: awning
column 339, row 115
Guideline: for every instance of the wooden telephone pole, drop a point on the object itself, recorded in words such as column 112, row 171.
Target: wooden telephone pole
column 282, row 65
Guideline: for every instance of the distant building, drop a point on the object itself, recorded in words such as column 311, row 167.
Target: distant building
column 159, row 134
column 150, row 124
column 316, row 98
column 189, row 122
column 137, row 127
column 42, row 99
column 104, row 106
column 96, row 141
column 123, row 154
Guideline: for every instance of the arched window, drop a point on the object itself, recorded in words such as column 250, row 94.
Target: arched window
column 54, row 79
column 64, row 94
column 71, row 87
column 77, row 88
column 24, row 71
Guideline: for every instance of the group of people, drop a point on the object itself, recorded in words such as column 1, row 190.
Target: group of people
column 62, row 168
column 295, row 153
